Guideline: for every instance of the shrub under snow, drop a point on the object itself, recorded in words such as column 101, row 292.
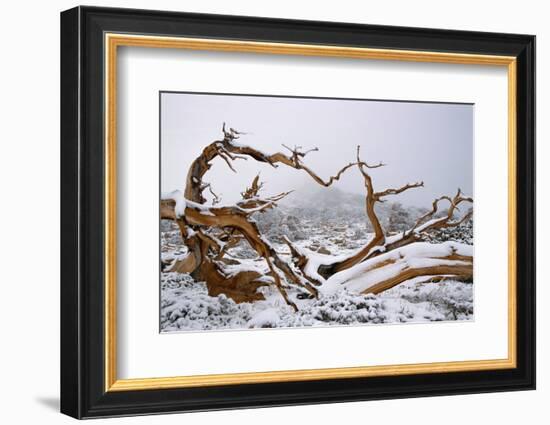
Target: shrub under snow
column 186, row 306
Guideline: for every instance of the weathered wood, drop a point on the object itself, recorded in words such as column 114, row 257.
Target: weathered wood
column 206, row 250
column 464, row 271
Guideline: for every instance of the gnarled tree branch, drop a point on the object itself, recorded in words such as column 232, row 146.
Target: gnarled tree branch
column 210, row 231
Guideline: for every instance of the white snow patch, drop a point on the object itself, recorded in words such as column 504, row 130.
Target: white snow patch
column 178, row 198
column 421, row 254
column 268, row 318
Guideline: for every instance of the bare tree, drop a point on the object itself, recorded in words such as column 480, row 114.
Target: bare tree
column 209, row 231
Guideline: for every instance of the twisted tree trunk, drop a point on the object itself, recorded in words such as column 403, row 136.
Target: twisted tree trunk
column 209, row 231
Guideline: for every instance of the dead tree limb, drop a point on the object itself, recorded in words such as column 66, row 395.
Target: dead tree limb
column 210, row 231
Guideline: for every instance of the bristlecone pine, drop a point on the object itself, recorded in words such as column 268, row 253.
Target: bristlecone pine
column 209, row 231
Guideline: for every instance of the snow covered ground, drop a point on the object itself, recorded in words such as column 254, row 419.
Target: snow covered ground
column 186, row 305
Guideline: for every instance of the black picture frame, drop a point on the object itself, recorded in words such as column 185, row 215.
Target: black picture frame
column 83, row 392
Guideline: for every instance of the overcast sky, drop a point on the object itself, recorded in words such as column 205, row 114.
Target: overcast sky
column 418, row 141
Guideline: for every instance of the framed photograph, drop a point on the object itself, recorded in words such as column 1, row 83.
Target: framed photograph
column 261, row 212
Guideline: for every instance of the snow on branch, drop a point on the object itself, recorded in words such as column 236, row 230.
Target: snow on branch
column 394, row 267
column 210, row 230
column 427, row 222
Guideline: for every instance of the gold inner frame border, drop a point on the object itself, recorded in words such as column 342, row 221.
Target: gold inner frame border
column 111, row 43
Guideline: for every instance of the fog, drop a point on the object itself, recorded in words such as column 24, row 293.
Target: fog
column 429, row 142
